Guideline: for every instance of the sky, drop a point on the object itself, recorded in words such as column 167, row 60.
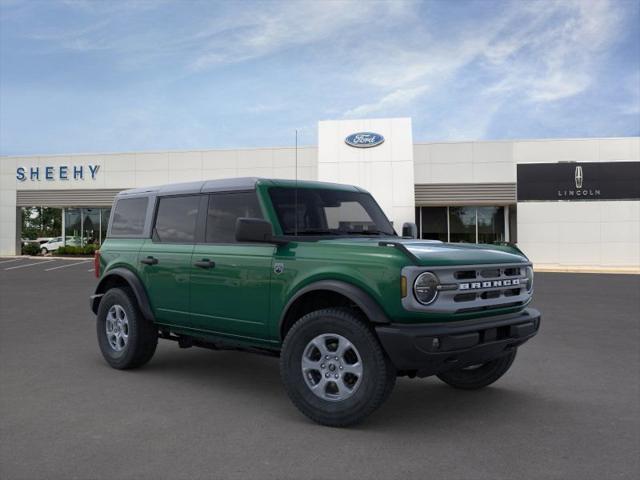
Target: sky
column 85, row 76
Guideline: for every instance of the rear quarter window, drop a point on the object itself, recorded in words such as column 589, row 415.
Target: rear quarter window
column 129, row 216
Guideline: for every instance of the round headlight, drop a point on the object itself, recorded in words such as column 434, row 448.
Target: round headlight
column 529, row 274
column 425, row 288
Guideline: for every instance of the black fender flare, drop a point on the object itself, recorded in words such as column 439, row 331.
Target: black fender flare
column 362, row 299
column 133, row 281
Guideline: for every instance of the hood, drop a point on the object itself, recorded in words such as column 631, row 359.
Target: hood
column 434, row 253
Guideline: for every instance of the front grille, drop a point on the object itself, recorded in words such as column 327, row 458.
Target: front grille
column 513, row 272
column 473, row 288
column 465, row 297
column 489, row 307
column 466, row 275
column 493, row 273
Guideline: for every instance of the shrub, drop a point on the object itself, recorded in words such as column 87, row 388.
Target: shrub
column 90, row 249
column 31, row 249
column 71, row 250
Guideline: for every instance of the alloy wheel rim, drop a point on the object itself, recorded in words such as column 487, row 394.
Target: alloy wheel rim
column 332, row 367
column 117, row 328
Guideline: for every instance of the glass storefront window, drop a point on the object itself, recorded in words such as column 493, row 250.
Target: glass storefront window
column 490, row 224
column 90, row 226
column 434, row 223
column 40, row 222
column 85, row 226
column 465, row 224
column 73, row 226
column 104, row 223
column 462, row 224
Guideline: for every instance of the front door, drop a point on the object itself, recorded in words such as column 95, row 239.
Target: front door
column 165, row 259
column 230, row 281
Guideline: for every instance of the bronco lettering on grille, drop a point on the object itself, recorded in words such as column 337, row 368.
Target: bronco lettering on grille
column 489, row 284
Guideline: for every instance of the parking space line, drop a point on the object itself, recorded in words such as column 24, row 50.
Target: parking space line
column 65, row 266
column 9, row 261
column 90, row 270
column 30, row 264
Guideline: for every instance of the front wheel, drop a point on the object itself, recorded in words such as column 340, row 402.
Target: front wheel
column 334, row 368
column 44, row 251
column 478, row 376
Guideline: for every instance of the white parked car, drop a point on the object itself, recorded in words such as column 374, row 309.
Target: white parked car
column 57, row 242
column 52, row 245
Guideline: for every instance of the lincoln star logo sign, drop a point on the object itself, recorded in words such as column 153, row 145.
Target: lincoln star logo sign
column 580, row 191
column 579, row 177
column 364, row 139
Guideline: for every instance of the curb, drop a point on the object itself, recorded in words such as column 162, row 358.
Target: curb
column 596, row 270
column 50, row 257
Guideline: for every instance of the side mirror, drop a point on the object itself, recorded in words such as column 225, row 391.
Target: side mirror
column 409, row 230
column 255, row 230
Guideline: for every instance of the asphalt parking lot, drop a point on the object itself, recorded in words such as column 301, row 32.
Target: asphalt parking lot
column 569, row 407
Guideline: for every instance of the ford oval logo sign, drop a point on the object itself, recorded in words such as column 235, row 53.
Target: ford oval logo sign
column 364, row 139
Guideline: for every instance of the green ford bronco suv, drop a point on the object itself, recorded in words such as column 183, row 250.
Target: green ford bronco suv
column 314, row 273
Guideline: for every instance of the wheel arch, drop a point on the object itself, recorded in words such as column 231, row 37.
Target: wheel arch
column 329, row 293
column 123, row 277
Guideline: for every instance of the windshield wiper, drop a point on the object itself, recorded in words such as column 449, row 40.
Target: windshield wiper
column 311, row 231
column 365, row 232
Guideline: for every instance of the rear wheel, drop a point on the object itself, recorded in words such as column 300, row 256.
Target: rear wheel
column 126, row 338
column 478, row 376
column 334, row 368
column 44, row 251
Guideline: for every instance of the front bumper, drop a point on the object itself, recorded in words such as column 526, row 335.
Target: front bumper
column 427, row 349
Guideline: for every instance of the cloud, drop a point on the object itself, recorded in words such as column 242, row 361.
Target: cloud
column 286, row 25
column 259, row 108
column 396, row 99
column 145, row 74
column 538, row 51
column 554, row 55
column 219, row 34
column 631, row 102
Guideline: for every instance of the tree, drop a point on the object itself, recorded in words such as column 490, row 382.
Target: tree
column 41, row 222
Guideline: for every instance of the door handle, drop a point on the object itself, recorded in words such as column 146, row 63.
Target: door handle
column 205, row 263
column 149, row 260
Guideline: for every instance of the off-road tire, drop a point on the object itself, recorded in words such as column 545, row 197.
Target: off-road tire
column 480, row 377
column 378, row 376
column 142, row 333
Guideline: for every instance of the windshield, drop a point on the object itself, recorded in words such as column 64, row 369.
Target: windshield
column 328, row 212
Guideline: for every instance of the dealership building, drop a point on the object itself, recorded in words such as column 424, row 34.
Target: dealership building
column 568, row 203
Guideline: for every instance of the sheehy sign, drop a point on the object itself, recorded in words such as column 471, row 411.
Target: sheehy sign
column 59, row 172
column 575, row 181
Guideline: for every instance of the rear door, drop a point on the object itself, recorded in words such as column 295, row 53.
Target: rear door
column 230, row 281
column 165, row 258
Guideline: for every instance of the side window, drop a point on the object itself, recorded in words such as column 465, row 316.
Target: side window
column 224, row 210
column 176, row 219
column 129, row 215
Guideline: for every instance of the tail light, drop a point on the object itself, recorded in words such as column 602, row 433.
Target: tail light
column 96, row 263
